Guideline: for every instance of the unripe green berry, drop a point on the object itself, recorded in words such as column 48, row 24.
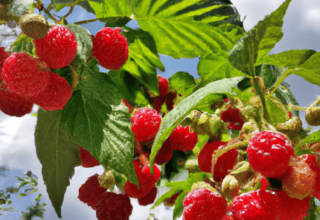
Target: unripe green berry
column 34, row 26
column 313, row 116
column 230, row 186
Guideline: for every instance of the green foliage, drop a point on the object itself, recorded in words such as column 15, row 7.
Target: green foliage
column 182, row 82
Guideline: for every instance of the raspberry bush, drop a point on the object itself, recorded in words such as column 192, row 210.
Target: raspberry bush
column 229, row 145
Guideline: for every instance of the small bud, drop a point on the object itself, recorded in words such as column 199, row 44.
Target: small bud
column 313, row 116
column 34, row 25
column 203, row 184
column 230, row 186
column 107, row 179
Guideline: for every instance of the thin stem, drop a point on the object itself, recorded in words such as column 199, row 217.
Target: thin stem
column 296, row 107
column 86, row 21
column 70, row 11
column 262, row 98
column 48, row 13
column 280, row 80
column 315, row 103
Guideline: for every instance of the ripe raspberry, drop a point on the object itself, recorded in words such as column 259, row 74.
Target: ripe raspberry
column 149, row 198
column 24, row 74
column 290, row 114
column 182, row 139
column 90, row 191
column 110, row 48
column 112, row 206
column 163, row 86
column 202, row 203
column 293, row 209
column 299, row 181
column 232, row 115
column 146, row 181
column 145, row 124
column 259, row 204
column 3, row 56
column 13, row 104
column 164, row 154
column 170, row 201
column 269, row 153
column 169, row 100
column 56, row 95
column 313, row 164
column 87, row 159
column 157, row 103
column 58, row 48
column 224, row 163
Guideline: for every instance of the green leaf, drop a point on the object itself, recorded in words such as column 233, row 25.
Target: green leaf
column 129, row 87
column 182, row 82
column 284, row 94
column 100, row 123
column 84, row 42
column 259, row 41
column 270, row 74
column 213, row 67
column 277, row 112
column 57, row 153
column 187, row 185
column 178, row 205
column 181, row 110
column 178, row 29
column 23, row 43
column 165, row 196
column 312, row 138
column 107, row 8
column 143, row 59
column 304, row 62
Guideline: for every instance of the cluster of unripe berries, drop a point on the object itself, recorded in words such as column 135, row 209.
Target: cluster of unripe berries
column 26, row 80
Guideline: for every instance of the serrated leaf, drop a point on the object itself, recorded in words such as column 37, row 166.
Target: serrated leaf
column 270, row 74
column 165, row 196
column 178, row 205
column 23, row 43
column 143, row 59
column 312, row 138
column 181, row 110
column 259, row 41
column 129, row 87
column 304, row 62
column 107, row 8
column 100, row 123
column 277, row 112
column 57, row 153
column 84, row 42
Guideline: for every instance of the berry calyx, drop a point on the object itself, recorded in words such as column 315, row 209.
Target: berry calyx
column 145, row 124
column 269, row 153
column 259, row 204
column 164, row 154
column 90, row 191
column 110, row 48
column 182, row 139
column 87, row 159
column 204, row 204
column 34, row 26
column 149, row 198
column 58, row 48
column 24, row 74
column 112, row 206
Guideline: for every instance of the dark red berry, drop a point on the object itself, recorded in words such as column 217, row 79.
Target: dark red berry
column 149, row 198
column 163, row 86
column 56, row 95
column 290, row 114
column 58, row 48
column 269, row 153
column 204, row 204
column 13, row 104
column 110, row 48
column 293, row 209
column 157, row 103
column 259, row 204
column 112, row 206
column 146, row 181
column 164, row 154
column 169, row 100
column 87, row 159
column 182, row 139
column 90, row 191
column 24, row 74
column 232, row 115
column 145, row 124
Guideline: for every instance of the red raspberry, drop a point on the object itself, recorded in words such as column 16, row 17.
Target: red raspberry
column 313, row 164
column 87, row 159
column 56, row 95
column 259, row 204
column 227, row 217
column 293, row 209
column 157, row 103
column 232, row 115
column 112, row 206
column 24, row 74
column 90, row 191
column 146, row 181
column 149, row 198
column 164, row 154
column 224, row 164
column 182, row 139
column 171, row 201
column 13, row 104
column 169, row 100
column 3, row 55
column 145, row 124
column 110, row 48
column 290, row 114
column 163, row 86
column 269, row 153
column 204, row 204
column 58, row 48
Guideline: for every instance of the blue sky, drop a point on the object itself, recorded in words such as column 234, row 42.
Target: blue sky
column 17, row 151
